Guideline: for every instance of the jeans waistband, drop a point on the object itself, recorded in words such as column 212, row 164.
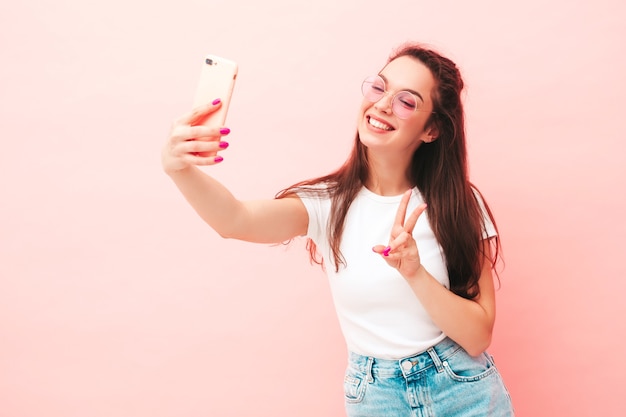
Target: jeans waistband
column 434, row 356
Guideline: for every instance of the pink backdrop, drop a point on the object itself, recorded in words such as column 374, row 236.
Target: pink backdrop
column 116, row 300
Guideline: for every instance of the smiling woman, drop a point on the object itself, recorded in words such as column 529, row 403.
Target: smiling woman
column 407, row 240
column 117, row 300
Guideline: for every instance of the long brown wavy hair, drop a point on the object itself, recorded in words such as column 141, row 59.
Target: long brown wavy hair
column 438, row 169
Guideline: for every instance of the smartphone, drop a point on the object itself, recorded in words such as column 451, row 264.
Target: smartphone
column 217, row 80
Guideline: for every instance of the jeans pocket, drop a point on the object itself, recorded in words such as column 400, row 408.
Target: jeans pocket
column 462, row 367
column 354, row 384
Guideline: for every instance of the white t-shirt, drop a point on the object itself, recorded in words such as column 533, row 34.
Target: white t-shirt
column 378, row 312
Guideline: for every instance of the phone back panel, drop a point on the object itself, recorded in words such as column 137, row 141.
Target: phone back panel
column 217, row 80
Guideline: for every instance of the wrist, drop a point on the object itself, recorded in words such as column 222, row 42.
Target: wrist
column 418, row 275
column 176, row 171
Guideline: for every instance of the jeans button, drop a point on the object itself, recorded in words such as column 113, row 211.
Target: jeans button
column 407, row 365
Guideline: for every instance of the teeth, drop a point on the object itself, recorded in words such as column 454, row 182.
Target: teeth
column 379, row 125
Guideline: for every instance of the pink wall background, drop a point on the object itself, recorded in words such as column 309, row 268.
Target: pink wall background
column 116, row 300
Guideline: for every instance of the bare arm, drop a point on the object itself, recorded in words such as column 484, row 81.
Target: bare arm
column 263, row 221
column 467, row 322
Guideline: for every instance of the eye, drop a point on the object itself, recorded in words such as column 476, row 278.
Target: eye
column 379, row 88
column 407, row 101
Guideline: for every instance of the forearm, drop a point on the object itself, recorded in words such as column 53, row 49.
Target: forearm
column 259, row 221
column 213, row 202
column 467, row 322
column 190, row 145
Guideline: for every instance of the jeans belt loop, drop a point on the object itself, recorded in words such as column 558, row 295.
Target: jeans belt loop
column 436, row 359
column 369, row 365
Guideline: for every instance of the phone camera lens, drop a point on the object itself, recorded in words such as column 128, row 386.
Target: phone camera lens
column 209, row 61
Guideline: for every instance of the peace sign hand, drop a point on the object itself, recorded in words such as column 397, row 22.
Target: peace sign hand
column 402, row 253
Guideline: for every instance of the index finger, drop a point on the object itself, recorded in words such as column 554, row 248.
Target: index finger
column 412, row 220
column 199, row 113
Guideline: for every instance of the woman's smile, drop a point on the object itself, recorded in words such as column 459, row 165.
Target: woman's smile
column 379, row 124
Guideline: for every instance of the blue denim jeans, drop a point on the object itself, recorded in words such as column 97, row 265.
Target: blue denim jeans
column 443, row 381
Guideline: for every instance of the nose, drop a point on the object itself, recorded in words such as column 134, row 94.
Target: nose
column 384, row 104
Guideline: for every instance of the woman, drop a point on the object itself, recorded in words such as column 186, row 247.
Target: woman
column 408, row 243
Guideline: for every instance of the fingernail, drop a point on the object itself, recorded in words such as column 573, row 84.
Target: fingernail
column 387, row 250
column 216, row 101
column 224, row 131
column 223, row 145
column 218, row 159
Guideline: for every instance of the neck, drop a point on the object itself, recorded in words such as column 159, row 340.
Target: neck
column 387, row 176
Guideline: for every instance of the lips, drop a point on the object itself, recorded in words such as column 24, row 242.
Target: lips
column 379, row 124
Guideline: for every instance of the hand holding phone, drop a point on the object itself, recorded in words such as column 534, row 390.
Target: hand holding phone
column 199, row 132
column 217, row 80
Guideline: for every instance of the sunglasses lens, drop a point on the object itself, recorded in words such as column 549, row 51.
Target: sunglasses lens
column 373, row 88
column 404, row 104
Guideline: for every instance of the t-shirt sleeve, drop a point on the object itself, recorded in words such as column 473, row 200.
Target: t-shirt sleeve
column 489, row 230
column 318, row 209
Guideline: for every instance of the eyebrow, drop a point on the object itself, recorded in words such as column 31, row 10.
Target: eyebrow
column 406, row 89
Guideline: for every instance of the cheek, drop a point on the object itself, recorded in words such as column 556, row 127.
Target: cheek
column 415, row 125
column 365, row 105
column 360, row 118
column 411, row 132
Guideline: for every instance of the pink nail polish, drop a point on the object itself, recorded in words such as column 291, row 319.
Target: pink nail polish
column 218, row 159
column 387, row 250
column 216, row 102
column 224, row 131
column 224, row 144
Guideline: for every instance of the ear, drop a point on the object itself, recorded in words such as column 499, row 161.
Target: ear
column 430, row 134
